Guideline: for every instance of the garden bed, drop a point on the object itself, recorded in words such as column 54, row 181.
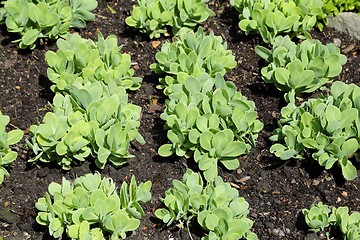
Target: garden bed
column 276, row 190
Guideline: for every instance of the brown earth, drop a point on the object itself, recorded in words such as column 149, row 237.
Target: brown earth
column 276, row 190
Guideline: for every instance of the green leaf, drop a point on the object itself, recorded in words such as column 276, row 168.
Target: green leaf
column 230, row 164
column 211, row 221
column 282, row 75
column 205, row 140
column 349, row 147
column 166, row 150
column 14, row 136
column 30, row 37
column 348, row 170
column 263, row 52
column 234, row 149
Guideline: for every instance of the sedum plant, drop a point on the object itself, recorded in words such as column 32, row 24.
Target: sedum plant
column 212, row 125
column 192, row 54
column 95, row 119
column 7, row 156
column 215, row 206
column 45, row 19
column 83, row 61
column 317, row 217
column 300, row 68
column 334, row 7
column 155, row 16
column 91, row 208
column 320, row 216
column 271, row 18
column 327, row 128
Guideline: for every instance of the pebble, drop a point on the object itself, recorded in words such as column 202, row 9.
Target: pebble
column 278, row 232
column 312, row 236
column 337, row 42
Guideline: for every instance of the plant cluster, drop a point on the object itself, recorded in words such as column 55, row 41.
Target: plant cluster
column 205, row 115
column 45, row 19
column 298, row 68
column 328, row 128
column 155, row 16
column 91, row 115
column 81, row 61
column 213, row 125
column 334, row 7
column 7, row 156
column 271, row 18
column 319, row 216
column 216, row 206
column 92, row 208
column 192, row 54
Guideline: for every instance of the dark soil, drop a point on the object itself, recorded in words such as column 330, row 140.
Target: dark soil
column 276, row 190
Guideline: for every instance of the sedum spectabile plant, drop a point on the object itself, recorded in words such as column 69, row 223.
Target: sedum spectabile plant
column 45, row 19
column 91, row 207
column 334, row 7
column 7, row 156
column 83, row 61
column 271, row 18
column 95, row 119
column 192, row 54
column 209, row 119
column 321, row 216
column 155, row 16
column 215, row 206
column 300, row 68
column 326, row 128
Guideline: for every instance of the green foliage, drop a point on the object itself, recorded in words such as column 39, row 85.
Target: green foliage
column 83, row 61
column 299, row 68
column 317, row 217
column 192, row 54
column 320, row 216
column 328, row 128
column 216, row 206
column 214, row 125
column 334, row 7
column 7, row 156
column 45, row 19
column 273, row 17
column 154, row 16
column 92, row 208
column 95, row 119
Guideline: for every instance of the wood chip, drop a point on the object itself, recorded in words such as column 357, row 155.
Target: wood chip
column 348, row 48
column 155, row 44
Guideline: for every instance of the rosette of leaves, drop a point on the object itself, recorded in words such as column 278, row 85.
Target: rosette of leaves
column 91, row 207
column 300, row 68
column 271, row 18
column 349, row 224
column 327, row 128
column 320, row 216
column 215, row 206
column 7, row 156
column 155, row 16
column 334, row 7
column 192, row 54
column 83, row 61
column 45, row 19
column 95, row 120
column 317, row 217
column 212, row 126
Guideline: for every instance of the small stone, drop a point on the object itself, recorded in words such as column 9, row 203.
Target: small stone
column 278, row 232
column 312, row 236
column 337, row 42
